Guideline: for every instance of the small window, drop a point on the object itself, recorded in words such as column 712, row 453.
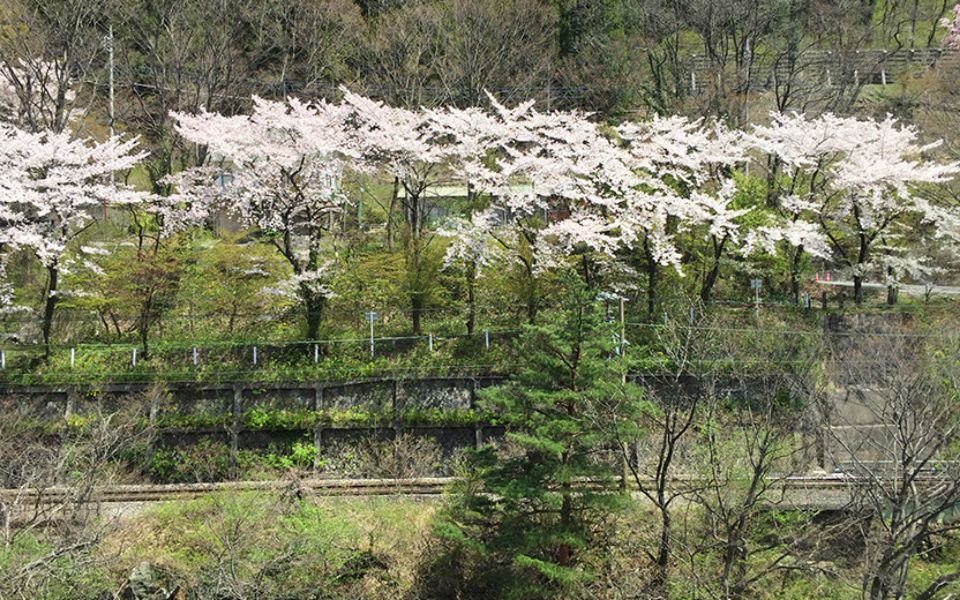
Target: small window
column 224, row 180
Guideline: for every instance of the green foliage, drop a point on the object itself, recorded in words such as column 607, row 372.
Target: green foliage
column 207, row 460
column 262, row 418
column 78, row 423
column 302, row 455
column 445, row 417
column 199, row 420
column 530, row 514
column 273, row 548
column 227, row 280
column 66, row 574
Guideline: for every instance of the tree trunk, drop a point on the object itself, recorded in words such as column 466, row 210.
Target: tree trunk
column 416, row 307
column 50, row 305
column 566, row 513
column 314, row 305
column 773, row 169
column 471, row 298
column 532, row 308
column 531, row 290
column 714, row 273
column 893, row 292
column 413, row 256
column 795, row 274
column 143, row 327
column 651, row 279
column 858, row 278
column 144, row 338
column 663, row 550
column 393, row 207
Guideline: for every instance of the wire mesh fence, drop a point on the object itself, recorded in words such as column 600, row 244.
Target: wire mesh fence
column 218, row 360
column 197, row 346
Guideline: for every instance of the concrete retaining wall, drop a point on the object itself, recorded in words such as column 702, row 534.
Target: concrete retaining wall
column 369, row 395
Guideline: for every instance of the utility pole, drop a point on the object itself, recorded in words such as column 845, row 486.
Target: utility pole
column 110, row 76
column 108, row 42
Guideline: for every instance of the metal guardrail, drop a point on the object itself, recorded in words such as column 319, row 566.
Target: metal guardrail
column 870, row 66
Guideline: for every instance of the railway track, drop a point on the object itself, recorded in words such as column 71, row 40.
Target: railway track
column 810, row 491
column 424, row 486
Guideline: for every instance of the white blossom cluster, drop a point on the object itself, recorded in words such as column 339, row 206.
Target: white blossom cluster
column 542, row 186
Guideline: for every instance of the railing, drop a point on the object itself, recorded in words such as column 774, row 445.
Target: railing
column 827, row 68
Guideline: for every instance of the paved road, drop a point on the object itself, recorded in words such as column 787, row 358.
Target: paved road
column 913, row 290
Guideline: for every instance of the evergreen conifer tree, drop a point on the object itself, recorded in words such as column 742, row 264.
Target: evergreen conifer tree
column 527, row 520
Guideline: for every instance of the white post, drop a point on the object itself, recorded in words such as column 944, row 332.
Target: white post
column 194, row 356
column 371, row 338
column 316, row 354
column 254, row 356
column 755, row 284
column 3, row 359
column 486, row 338
column 72, row 356
column 134, row 361
column 430, row 341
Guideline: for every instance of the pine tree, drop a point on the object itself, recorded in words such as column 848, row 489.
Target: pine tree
column 530, row 516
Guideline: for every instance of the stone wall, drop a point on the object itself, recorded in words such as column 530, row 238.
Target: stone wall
column 227, row 404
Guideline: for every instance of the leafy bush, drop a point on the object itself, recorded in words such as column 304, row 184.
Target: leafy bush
column 206, row 461
column 264, row 418
column 256, row 545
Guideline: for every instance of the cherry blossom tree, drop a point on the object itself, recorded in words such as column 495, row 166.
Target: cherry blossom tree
column 470, row 248
column 799, row 155
column 689, row 168
column 857, row 180
column 545, row 187
column 563, row 187
column 479, row 137
column 53, row 187
column 280, row 171
column 410, row 147
column 556, row 182
column 37, row 95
